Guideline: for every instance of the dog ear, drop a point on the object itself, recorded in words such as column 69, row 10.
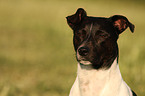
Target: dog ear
column 121, row 23
column 76, row 19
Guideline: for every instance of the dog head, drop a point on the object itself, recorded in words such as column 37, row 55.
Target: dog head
column 95, row 38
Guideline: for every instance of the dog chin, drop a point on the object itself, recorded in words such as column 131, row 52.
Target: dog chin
column 85, row 62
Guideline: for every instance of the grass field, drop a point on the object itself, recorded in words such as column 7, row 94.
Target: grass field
column 36, row 50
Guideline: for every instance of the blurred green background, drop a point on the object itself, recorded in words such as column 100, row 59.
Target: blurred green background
column 36, row 50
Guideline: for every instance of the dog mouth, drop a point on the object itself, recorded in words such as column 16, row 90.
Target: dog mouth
column 83, row 60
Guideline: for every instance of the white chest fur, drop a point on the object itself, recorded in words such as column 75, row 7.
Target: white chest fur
column 92, row 82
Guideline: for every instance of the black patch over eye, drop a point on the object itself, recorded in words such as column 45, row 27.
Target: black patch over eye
column 81, row 32
column 84, row 32
column 102, row 34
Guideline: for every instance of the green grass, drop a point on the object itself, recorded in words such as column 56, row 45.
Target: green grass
column 36, row 50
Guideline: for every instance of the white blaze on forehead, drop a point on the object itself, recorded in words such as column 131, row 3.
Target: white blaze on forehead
column 91, row 27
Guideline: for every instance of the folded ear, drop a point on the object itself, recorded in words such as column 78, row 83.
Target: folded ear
column 75, row 19
column 121, row 23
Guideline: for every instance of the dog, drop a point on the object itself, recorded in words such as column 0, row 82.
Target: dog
column 95, row 44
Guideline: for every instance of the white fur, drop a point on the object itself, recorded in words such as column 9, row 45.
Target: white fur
column 92, row 82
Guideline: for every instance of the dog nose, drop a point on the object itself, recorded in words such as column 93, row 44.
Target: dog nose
column 83, row 51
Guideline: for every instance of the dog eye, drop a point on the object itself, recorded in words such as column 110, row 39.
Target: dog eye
column 103, row 35
column 84, row 31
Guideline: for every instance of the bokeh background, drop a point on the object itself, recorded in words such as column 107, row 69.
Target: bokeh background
column 36, row 50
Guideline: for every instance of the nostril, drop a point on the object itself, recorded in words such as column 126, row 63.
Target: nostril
column 83, row 51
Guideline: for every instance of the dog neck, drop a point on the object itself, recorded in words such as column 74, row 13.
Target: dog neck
column 100, row 82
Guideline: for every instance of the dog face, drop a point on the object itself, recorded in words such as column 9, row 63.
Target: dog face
column 95, row 38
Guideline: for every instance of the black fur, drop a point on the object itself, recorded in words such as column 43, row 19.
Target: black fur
column 134, row 93
column 98, row 35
